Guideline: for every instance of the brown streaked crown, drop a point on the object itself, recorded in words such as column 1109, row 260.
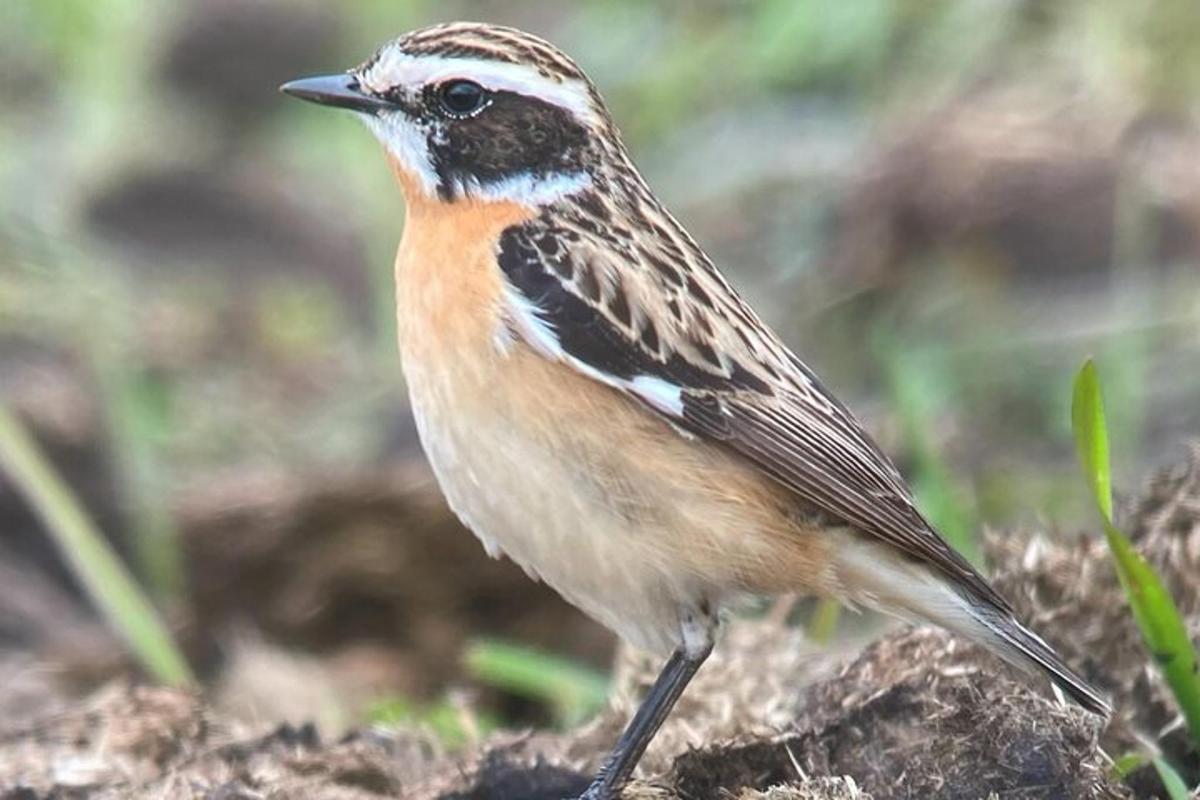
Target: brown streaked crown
column 489, row 43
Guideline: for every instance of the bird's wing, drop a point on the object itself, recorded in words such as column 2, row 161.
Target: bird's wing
column 650, row 315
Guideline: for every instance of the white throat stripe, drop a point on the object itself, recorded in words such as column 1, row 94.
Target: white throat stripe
column 407, row 143
column 531, row 190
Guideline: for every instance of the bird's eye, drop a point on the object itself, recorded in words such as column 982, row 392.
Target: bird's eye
column 461, row 99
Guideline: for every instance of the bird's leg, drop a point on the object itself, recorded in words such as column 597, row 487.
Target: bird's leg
column 668, row 686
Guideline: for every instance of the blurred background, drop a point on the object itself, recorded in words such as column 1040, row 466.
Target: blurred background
column 944, row 205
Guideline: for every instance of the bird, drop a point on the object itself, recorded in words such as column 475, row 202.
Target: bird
column 600, row 404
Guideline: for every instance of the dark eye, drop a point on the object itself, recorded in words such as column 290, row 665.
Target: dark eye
column 462, row 98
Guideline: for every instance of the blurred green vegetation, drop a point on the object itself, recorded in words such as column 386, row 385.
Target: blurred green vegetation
column 753, row 119
column 108, row 583
column 454, row 724
column 572, row 692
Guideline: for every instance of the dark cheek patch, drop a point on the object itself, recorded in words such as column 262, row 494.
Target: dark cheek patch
column 515, row 134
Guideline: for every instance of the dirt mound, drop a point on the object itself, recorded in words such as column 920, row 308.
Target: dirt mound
column 917, row 714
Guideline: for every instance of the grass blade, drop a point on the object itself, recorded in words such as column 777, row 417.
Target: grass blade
column 453, row 725
column 822, row 625
column 1172, row 782
column 99, row 570
column 1128, row 764
column 1154, row 610
column 573, row 691
column 913, row 383
column 1091, row 435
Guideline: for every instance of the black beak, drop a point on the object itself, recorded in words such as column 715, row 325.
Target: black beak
column 339, row 91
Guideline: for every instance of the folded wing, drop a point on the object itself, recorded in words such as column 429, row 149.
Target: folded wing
column 650, row 315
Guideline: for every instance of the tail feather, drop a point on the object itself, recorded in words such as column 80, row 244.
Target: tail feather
column 868, row 573
column 1025, row 649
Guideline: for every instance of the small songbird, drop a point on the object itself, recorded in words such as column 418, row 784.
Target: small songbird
column 598, row 402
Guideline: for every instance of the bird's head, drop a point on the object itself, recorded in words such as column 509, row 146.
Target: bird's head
column 473, row 111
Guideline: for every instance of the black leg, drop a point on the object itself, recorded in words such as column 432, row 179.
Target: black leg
column 657, row 704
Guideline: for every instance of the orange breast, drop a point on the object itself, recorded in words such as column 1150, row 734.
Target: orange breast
column 448, row 284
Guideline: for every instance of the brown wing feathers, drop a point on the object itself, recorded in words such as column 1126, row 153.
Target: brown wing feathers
column 664, row 312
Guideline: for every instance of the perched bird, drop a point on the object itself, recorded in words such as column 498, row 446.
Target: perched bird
column 598, row 402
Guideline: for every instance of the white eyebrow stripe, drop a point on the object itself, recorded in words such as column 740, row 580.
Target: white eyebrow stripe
column 395, row 67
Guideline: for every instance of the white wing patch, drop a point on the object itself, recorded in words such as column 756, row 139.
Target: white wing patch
column 531, row 326
column 663, row 395
column 538, row 333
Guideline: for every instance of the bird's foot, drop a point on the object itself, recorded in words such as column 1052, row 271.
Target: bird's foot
column 601, row 788
column 597, row 792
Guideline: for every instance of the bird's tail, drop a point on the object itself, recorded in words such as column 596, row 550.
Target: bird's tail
column 875, row 575
column 1023, row 648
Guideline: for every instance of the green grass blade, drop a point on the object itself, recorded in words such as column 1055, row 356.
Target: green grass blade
column 1091, row 436
column 572, row 690
column 1128, row 764
column 445, row 719
column 913, row 384
column 97, row 567
column 1154, row 610
column 138, row 414
column 822, row 625
column 1162, row 627
column 1176, row 789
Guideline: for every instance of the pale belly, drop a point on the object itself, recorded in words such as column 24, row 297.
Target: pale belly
column 592, row 494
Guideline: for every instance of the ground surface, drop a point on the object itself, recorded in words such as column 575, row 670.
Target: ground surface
column 917, row 714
